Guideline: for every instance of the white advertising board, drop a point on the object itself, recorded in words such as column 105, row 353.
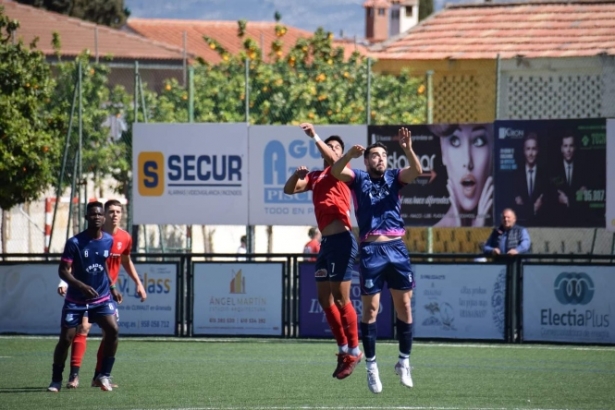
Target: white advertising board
column 190, row 174
column 573, row 304
column 29, row 302
column 459, row 301
column 237, row 299
column 610, row 175
column 275, row 152
column 157, row 314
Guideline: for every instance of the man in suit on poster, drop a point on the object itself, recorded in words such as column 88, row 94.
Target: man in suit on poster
column 568, row 179
column 530, row 185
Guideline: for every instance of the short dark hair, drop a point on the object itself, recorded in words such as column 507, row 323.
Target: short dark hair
column 243, row 239
column 94, row 204
column 335, row 138
column 112, row 202
column 312, row 232
column 531, row 136
column 372, row 146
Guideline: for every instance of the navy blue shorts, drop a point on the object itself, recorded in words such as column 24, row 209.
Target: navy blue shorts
column 385, row 262
column 72, row 313
column 336, row 257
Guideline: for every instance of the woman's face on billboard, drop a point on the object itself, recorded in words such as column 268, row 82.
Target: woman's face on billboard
column 466, row 153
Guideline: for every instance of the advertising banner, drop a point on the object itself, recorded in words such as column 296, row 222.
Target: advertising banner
column 190, row 173
column 572, row 304
column 459, row 301
column 455, row 188
column 610, row 175
column 312, row 320
column 238, row 299
column 157, row 314
column 29, row 300
column 275, row 152
column 552, row 172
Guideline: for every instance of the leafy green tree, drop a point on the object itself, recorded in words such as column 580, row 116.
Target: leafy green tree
column 105, row 12
column 29, row 133
column 312, row 82
column 29, row 137
column 103, row 153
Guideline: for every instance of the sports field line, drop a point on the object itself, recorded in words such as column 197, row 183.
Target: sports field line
column 353, row 407
column 477, row 345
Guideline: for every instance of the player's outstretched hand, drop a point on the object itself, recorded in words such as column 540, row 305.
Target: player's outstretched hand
column 356, row 151
column 301, row 172
column 405, row 138
column 308, row 129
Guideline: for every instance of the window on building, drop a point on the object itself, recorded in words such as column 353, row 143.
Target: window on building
column 370, row 12
column 381, row 12
column 395, row 14
column 408, row 11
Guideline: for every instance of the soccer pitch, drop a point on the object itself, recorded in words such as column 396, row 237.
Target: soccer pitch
column 296, row 374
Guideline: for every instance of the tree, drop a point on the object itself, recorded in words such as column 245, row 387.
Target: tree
column 29, row 134
column 103, row 154
column 311, row 82
column 425, row 9
column 105, row 12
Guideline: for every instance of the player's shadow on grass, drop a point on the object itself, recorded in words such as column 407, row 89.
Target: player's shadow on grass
column 23, row 390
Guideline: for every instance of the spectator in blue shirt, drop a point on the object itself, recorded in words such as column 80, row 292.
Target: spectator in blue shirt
column 508, row 238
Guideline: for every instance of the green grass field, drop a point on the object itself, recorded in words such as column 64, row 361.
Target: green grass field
column 289, row 374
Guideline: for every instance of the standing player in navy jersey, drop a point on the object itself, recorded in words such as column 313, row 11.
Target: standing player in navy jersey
column 384, row 257
column 84, row 268
column 338, row 250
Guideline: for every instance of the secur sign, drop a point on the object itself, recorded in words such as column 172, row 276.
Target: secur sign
column 275, row 152
column 190, row 174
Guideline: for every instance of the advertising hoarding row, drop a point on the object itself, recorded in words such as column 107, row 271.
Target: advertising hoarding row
column 553, row 173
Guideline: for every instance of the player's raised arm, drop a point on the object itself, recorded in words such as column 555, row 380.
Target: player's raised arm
column 325, row 150
column 340, row 170
column 297, row 182
column 413, row 170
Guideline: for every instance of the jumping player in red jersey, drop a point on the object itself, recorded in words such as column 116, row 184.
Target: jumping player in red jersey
column 120, row 256
column 333, row 270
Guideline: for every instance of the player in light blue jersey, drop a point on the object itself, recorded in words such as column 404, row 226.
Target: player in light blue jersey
column 84, row 268
column 384, row 257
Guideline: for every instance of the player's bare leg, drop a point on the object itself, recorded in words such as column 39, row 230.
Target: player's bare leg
column 59, row 358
